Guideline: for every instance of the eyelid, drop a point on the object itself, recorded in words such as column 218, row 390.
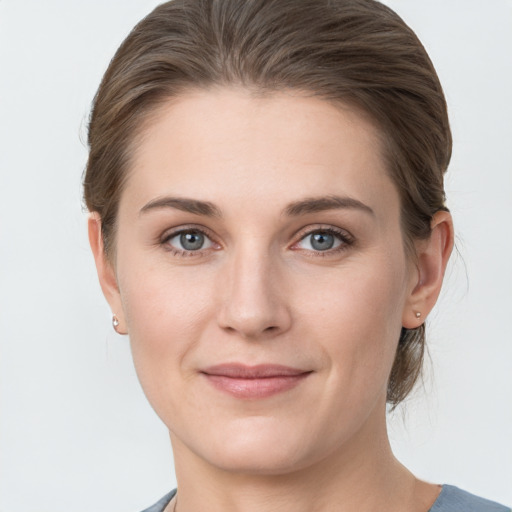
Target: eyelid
column 187, row 228
column 346, row 238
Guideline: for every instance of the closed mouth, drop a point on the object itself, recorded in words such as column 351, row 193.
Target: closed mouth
column 254, row 382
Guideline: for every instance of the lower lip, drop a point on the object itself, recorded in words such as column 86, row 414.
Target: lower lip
column 256, row 387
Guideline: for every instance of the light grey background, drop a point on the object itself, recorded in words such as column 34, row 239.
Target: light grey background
column 76, row 432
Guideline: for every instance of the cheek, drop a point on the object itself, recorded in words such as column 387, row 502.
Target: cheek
column 355, row 315
column 165, row 312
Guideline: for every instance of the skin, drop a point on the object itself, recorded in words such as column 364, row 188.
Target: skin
column 258, row 291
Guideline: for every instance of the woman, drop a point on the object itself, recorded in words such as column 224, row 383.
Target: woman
column 265, row 182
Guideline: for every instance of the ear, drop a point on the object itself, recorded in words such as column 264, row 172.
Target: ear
column 106, row 270
column 432, row 258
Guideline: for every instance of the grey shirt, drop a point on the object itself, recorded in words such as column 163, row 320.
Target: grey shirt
column 451, row 499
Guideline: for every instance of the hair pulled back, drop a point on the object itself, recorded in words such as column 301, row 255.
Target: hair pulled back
column 354, row 52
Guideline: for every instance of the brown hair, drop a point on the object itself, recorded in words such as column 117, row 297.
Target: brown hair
column 358, row 52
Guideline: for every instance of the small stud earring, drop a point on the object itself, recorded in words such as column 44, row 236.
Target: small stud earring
column 418, row 314
column 115, row 324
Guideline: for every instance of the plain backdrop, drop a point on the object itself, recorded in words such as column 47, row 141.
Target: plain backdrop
column 76, row 433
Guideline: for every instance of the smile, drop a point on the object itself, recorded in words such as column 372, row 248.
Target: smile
column 254, row 382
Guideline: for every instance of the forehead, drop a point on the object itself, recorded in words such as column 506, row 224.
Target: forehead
column 226, row 142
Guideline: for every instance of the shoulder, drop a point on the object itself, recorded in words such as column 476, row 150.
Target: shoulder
column 160, row 505
column 453, row 499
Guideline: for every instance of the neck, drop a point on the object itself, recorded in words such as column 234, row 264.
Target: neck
column 363, row 475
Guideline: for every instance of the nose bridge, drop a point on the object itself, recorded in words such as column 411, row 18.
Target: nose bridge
column 252, row 304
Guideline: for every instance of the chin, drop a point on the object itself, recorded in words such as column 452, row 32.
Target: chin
column 255, row 460
column 259, row 446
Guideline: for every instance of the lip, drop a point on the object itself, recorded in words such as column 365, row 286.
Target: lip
column 254, row 382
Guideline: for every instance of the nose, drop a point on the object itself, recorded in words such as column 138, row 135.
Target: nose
column 254, row 302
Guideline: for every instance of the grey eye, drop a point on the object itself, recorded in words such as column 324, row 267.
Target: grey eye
column 190, row 241
column 321, row 241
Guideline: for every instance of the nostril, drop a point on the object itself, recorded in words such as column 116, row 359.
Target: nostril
column 253, row 333
column 249, row 310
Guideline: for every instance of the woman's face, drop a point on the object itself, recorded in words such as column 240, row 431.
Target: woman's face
column 262, row 277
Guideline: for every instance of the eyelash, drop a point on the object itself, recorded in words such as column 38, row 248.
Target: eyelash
column 343, row 236
column 183, row 252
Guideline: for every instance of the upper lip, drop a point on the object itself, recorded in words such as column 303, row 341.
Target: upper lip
column 260, row 371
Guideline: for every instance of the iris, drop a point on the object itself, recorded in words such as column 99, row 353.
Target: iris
column 192, row 241
column 322, row 241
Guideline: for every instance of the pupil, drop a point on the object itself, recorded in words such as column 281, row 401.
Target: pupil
column 322, row 241
column 192, row 241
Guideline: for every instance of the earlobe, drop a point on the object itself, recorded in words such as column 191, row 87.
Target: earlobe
column 432, row 258
column 105, row 270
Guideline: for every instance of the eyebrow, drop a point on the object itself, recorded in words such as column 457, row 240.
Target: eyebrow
column 186, row 205
column 295, row 209
column 323, row 203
